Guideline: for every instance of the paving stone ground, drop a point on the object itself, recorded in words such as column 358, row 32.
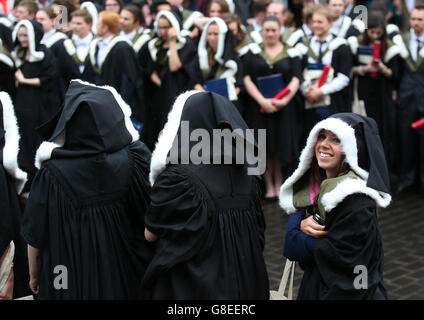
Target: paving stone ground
column 402, row 229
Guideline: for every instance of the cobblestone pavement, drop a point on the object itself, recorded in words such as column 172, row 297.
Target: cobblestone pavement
column 402, row 229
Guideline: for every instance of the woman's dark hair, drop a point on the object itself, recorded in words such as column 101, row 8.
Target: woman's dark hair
column 231, row 17
column 271, row 18
column 136, row 12
column 375, row 20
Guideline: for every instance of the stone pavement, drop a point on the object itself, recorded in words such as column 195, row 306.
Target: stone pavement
column 402, row 229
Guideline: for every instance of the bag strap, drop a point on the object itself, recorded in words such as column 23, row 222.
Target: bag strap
column 288, row 271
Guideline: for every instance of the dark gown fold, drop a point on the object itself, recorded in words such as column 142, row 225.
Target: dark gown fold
column 211, row 235
column 87, row 214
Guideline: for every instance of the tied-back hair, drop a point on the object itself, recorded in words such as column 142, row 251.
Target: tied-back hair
column 375, row 20
column 271, row 18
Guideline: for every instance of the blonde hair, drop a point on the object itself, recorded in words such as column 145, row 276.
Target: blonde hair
column 320, row 9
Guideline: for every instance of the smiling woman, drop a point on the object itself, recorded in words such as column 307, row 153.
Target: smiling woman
column 332, row 198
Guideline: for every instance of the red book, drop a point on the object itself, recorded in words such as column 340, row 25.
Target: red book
column 324, row 75
column 376, row 51
column 418, row 124
column 278, row 96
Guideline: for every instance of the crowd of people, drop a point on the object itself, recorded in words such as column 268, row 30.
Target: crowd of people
column 63, row 62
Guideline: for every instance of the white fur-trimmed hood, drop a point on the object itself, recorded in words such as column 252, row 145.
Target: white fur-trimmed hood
column 11, row 143
column 346, row 134
column 167, row 136
column 46, row 148
column 34, row 54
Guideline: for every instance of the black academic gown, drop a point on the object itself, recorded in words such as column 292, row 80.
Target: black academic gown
column 10, row 217
column 93, row 226
column 282, row 131
column 376, row 92
column 121, row 70
column 7, row 78
column 211, row 235
column 331, row 276
column 63, row 61
column 411, row 108
column 35, row 105
column 160, row 100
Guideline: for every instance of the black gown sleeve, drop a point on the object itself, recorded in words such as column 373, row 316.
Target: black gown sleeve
column 34, row 226
column 178, row 216
column 342, row 61
column 353, row 239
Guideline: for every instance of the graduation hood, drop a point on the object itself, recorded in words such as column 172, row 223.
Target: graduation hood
column 9, row 141
column 175, row 22
column 200, row 110
column 225, row 49
column 35, row 34
column 92, row 10
column 93, row 120
column 363, row 150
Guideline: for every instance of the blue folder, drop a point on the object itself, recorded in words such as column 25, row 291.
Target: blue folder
column 218, row 86
column 269, row 86
column 315, row 66
column 366, row 51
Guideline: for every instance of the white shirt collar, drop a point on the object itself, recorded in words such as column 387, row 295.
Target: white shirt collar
column 105, row 42
column 47, row 35
column 414, row 36
column 130, row 36
column 327, row 40
column 82, row 41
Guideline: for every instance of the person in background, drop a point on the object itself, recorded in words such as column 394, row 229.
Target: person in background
column 411, row 95
column 278, row 116
column 114, row 6
column 37, row 93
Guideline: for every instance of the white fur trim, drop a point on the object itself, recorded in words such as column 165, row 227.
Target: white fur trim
column 346, row 23
column 6, row 22
column 348, row 187
column 34, row 55
column 397, row 40
column 231, row 71
column 302, row 48
column 294, row 52
column 173, row 21
column 232, row 95
column 353, row 44
column 295, row 37
column 69, row 46
column 11, row 143
column 140, row 42
column 256, row 36
column 202, row 47
column 392, row 28
column 167, row 136
column 358, row 25
column 391, row 52
column 345, row 133
column 253, row 47
column 336, row 43
column 55, row 38
column 190, row 20
column 7, row 60
column 46, row 148
column 109, row 47
column 7, row 265
column 92, row 10
column 231, row 5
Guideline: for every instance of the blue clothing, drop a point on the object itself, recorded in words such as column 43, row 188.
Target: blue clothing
column 298, row 246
